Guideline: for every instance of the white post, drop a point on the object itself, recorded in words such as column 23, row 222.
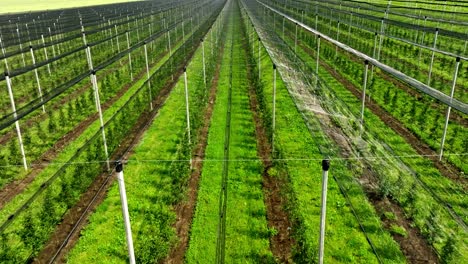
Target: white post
column 187, row 106
column 3, row 52
column 380, row 39
column 337, row 39
column 110, row 34
column 274, row 111
column 422, row 40
column 18, row 130
column 101, row 120
column 295, row 43
column 148, row 78
column 259, row 60
column 51, row 40
column 373, row 55
column 323, row 211
column 126, row 215
column 170, row 51
column 117, row 38
column 37, row 76
column 283, row 27
column 129, row 57
column 45, row 53
column 454, row 82
column 364, row 85
column 432, row 57
column 203, row 59
column 318, row 61
column 21, row 47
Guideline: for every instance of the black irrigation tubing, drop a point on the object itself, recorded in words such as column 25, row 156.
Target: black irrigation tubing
column 223, row 195
column 46, row 184
column 79, row 35
column 436, row 197
column 9, row 119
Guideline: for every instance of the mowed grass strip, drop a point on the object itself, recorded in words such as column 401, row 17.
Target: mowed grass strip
column 246, row 225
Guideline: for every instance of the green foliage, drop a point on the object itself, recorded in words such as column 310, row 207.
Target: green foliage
column 398, row 230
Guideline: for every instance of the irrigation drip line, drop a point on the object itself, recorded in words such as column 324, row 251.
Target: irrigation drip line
column 454, row 103
column 97, row 135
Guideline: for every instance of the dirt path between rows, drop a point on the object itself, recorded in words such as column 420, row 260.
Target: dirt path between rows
column 68, row 231
column 12, row 189
column 185, row 209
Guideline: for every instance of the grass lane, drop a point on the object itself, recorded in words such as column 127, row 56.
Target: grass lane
column 246, row 226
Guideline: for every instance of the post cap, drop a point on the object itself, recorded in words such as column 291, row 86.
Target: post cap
column 318, row 36
column 375, row 33
column 325, row 164
column 457, row 59
column 6, row 74
column 118, row 166
column 93, row 72
column 201, row 40
column 185, row 68
column 30, row 46
column 366, row 62
column 274, row 66
column 437, row 29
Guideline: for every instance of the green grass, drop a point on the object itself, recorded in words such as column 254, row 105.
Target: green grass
column 16, row 6
column 246, row 227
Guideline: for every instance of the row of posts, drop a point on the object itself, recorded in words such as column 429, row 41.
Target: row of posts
column 93, row 82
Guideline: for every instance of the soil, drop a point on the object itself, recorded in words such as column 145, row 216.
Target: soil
column 185, row 209
column 68, row 231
